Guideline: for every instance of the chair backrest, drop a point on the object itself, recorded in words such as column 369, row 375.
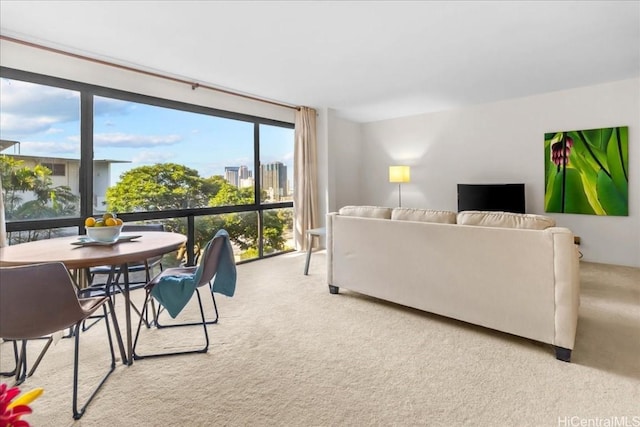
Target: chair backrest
column 210, row 260
column 37, row 300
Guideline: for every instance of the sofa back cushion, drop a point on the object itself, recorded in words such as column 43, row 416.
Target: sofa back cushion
column 366, row 211
column 505, row 220
column 424, row 215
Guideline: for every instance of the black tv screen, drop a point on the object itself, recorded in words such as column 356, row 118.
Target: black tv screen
column 491, row 197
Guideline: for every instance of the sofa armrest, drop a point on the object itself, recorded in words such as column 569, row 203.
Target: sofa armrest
column 567, row 286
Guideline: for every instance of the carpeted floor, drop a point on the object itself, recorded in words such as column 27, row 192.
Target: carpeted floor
column 288, row 353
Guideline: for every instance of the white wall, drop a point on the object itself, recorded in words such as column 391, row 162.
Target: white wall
column 494, row 143
column 13, row 55
column 345, row 167
column 500, row 142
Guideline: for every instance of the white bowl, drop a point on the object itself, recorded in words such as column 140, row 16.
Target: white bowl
column 104, row 234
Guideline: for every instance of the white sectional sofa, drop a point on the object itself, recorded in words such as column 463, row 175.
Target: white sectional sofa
column 515, row 273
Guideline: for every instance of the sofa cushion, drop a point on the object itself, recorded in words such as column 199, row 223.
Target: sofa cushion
column 366, row 211
column 424, row 215
column 505, row 219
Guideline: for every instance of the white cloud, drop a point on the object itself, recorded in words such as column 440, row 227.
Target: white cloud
column 57, row 148
column 28, row 108
column 111, row 107
column 12, row 124
column 152, row 157
column 288, row 156
column 53, row 131
column 131, row 140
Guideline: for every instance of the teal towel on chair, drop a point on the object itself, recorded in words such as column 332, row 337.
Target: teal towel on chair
column 175, row 291
column 225, row 280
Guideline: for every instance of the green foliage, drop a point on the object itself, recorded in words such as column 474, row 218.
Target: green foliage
column 48, row 201
column 162, row 186
column 596, row 177
column 172, row 186
column 229, row 195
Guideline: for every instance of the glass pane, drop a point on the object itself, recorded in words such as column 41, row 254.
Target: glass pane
column 276, row 164
column 15, row 237
column 242, row 228
column 152, row 158
column 176, row 225
column 278, row 231
column 39, row 150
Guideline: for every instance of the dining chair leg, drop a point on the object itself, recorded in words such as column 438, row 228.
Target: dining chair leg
column 78, row 413
column 113, row 281
column 116, row 328
column 106, row 287
column 12, row 373
column 208, row 322
column 21, row 367
column 137, row 356
column 41, row 355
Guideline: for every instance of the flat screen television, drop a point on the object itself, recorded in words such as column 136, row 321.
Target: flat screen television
column 491, row 197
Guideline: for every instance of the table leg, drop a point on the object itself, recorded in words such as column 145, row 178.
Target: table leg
column 114, row 318
column 127, row 309
column 306, row 264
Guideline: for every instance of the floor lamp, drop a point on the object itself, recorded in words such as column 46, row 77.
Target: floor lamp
column 399, row 174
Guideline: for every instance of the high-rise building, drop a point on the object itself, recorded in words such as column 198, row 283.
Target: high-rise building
column 232, row 175
column 245, row 177
column 273, row 178
column 244, row 172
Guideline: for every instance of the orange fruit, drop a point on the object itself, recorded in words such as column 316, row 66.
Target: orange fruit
column 90, row 222
column 110, row 222
column 119, row 221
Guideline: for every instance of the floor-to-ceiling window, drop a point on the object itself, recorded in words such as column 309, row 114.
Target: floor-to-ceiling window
column 71, row 150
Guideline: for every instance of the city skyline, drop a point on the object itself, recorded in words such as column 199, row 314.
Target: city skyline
column 273, row 178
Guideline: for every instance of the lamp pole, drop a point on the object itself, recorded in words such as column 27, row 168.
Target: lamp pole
column 399, row 174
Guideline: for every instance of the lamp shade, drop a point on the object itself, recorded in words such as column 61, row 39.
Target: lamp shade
column 399, row 174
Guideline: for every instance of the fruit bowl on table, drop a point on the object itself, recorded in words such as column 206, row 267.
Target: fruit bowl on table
column 104, row 234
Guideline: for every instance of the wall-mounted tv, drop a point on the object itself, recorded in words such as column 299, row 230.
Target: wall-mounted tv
column 491, row 197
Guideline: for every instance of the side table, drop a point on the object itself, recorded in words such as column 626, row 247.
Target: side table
column 311, row 233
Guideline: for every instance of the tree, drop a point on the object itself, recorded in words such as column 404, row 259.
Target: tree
column 162, row 186
column 243, row 226
column 173, row 186
column 48, row 202
column 45, row 200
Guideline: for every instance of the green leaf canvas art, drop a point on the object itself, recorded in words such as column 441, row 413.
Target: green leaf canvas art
column 587, row 171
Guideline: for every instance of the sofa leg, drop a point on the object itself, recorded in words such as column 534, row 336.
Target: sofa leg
column 563, row 354
column 333, row 289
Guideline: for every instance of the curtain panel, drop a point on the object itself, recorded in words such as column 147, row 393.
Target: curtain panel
column 305, row 176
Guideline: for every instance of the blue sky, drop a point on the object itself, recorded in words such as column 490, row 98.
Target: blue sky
column 46, row 122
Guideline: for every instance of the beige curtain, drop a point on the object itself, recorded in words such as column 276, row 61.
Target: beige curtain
column 305, row 176
column 3, row 225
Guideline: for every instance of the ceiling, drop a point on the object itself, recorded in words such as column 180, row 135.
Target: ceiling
column 368, row 60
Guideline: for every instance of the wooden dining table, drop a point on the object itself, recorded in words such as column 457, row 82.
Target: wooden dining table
column 77, row 257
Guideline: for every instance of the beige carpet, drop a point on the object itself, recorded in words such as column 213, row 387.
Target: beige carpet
column 288, row 353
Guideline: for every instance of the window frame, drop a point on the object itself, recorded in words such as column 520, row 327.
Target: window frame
column 87, row 93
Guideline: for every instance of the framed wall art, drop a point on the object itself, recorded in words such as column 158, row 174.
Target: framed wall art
column 587, row 171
